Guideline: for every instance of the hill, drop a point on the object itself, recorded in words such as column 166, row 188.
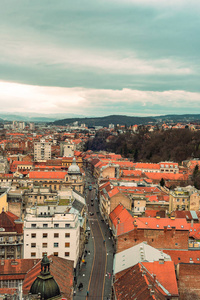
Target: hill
column 105, row 121
column 179, row 118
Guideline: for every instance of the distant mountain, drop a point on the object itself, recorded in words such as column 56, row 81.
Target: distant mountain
column 34, row 117
column 105, row 121
column 179, row 118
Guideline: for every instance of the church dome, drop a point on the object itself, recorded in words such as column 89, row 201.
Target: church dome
column 45, row 284
column 74, row 168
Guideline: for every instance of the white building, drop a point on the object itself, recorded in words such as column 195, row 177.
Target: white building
column 47, row 230
column 42, row 150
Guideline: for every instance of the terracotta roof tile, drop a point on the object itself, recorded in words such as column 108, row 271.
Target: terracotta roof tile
column 184, row 256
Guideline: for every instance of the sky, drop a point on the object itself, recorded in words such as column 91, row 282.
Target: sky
column 100, row 57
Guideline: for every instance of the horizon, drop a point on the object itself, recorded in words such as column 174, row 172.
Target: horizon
column 131, row 57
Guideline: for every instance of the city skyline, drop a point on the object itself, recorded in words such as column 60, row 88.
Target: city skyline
column 99, row 58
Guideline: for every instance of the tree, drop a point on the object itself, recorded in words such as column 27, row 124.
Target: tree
column 162, row 182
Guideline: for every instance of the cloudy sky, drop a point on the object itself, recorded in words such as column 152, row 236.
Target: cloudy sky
column 100, row 57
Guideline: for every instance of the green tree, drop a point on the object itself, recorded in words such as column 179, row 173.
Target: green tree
column 162, row 182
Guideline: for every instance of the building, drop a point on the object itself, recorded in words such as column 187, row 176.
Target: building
column 161, row 233
column 179, row 200
column 11, row 236
column 62, row 271
column 67, row 149
column 42, row 150
column 48, row 230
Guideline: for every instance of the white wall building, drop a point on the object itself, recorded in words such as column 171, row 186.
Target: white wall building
column 42, row 150
column 51, row 232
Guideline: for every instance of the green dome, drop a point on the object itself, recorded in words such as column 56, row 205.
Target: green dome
column 46, row 286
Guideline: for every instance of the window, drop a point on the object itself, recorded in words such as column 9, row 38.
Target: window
column 56, row 225
column 33, row 225
column 67, row 235
column 45, row 225
column 190, row 258
column 56, row 235
column 67, row 245
column 33, row 235
column 44, row 245
column 67, row 225
column 33, row 254
column 66, row 253
column 177, row 200
column 33, row 245
column 55, row 245
column 55, row 253
column 157, row 225
column 45, row 235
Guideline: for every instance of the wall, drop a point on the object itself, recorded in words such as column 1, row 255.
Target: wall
column 159, row 239
column 189, row 281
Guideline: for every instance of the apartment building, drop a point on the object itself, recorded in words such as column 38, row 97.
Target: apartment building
column 42, row 150
column 49, row 230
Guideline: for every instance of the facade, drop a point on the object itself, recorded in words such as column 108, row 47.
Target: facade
column 42, row 150
column 46, row 231
column 67, row 149
column 11, row 236
column 179, row 200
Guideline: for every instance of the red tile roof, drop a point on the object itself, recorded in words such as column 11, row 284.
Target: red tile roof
column 62, row 270
column 127, row 224
column 7, row 221
column 184, row 256
column 47, row 175
column 120, row 214
column 113, row 192
column 136, row 282
column 165, row 274
column 16, row 269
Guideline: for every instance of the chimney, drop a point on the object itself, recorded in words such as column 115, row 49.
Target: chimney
column 152, row 292
column 172, row 217
column 157, row 217
column 173, row 230
column 161, row 261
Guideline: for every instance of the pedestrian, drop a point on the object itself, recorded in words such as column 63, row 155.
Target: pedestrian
column 87, row 293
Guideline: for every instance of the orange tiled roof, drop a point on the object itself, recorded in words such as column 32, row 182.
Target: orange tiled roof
column 149, row 166
column 184, row 256
column 165, row 274
column 61, row 269
column 47, row 175
column 113, row 192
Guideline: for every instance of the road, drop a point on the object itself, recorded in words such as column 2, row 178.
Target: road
column 96, row 284
column 96, row 274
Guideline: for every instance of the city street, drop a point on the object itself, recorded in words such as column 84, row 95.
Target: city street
column 96, row 274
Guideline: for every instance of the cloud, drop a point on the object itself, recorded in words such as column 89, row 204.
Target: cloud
column 112, row 62
column 16, row 97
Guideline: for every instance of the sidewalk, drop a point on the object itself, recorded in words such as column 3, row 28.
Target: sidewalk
column 85, row 270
